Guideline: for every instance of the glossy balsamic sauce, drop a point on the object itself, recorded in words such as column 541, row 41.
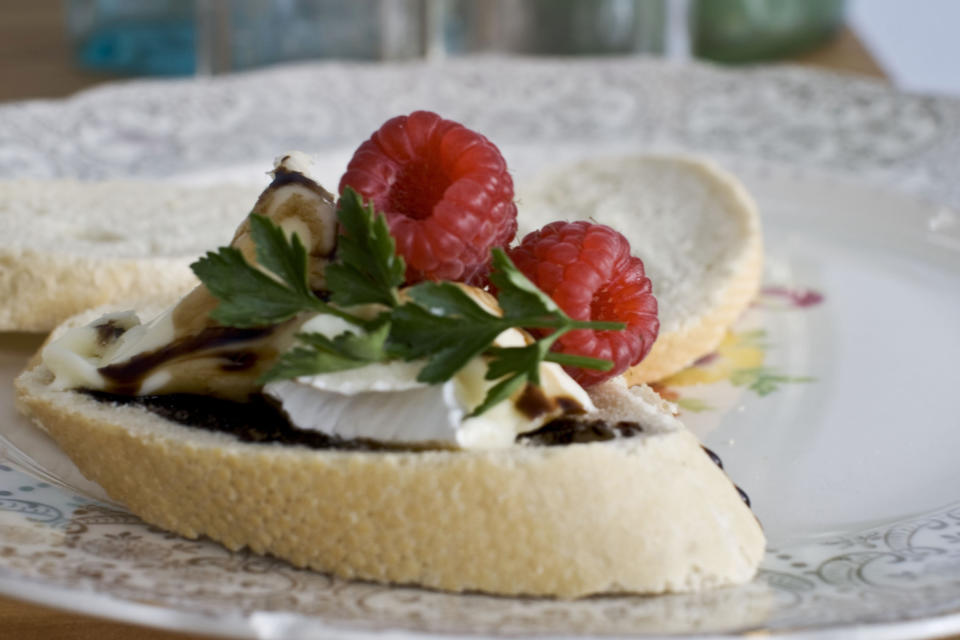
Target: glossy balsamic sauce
column 260, row 419
column 108, row 331
column 717, row 461
column 127, row 375
column 257, row 420
column 713, row 456
column 570, row 431
column 282, row 177
column 533, row 403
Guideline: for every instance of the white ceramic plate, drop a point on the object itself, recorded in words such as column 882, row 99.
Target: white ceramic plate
column 833, row 405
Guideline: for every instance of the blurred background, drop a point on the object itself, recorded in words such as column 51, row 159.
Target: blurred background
column 51, row 48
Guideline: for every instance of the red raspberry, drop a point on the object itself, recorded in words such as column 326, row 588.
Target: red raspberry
column 445, row 191
column 588, row 271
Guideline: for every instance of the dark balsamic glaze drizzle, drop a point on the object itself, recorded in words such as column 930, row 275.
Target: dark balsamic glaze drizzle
column 572, row 431
column 533, row 402
column 257, row 420
column 282, row 177
column 260, row 419
column 717, row 461
column 108, row 331
column 713, row 456
column 127, row 376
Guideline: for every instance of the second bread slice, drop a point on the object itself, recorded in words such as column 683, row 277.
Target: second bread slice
column 68, row 245
column 695, row 227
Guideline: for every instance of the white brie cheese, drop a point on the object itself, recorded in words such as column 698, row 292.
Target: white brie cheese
column 385, row 402
column 75, row 356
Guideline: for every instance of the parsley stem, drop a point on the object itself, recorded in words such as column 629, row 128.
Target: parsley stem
column 323, row 307
column 598, row 326
column 571, row 360
column 564, row 323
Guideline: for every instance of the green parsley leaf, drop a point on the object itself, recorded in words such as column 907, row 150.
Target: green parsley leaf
column 447, row 342
column 499, row 392
column 445, row 299
column 286, row 259
column 445, row 325
column 441, row 323
column 248, row 297
column 574, row 360
column 320, row 354
column 526, row 360
column 369, row 269
column 514, row 367
column 518, row 297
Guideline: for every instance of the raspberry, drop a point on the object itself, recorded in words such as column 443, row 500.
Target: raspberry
column 588, row 271
column 445, row 191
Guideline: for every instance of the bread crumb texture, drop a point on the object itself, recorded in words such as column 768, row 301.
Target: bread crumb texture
column 650, row 514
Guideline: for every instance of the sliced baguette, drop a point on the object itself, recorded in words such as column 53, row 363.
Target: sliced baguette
column 695, row 227
column 647, row 514
column 69, row 245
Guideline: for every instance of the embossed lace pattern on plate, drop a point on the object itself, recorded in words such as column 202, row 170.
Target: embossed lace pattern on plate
column 790, row 116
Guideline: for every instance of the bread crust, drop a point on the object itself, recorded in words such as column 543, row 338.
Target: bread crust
column 70, row 245
column 698, row 336
column 674, row 350
column 42, row 290
column 649, row 514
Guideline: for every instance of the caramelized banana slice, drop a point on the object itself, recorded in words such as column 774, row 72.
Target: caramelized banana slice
column 297, row 203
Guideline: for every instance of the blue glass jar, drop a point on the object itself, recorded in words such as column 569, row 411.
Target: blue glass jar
column 182, row 37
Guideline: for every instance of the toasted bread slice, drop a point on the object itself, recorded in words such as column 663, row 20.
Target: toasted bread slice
column 694, row 226
column 69, row 245
column 649, row 513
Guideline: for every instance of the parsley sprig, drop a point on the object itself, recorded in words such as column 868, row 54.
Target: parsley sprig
column 369, row 270
column 438, row 322
column 250, row 297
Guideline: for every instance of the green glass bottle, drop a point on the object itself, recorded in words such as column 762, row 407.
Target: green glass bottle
column 755, row 30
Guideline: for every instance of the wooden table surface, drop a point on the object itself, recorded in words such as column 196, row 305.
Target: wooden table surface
column 35, row 63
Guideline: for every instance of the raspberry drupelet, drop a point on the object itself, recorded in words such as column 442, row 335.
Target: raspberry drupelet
column 588, row 271
column 445, row 191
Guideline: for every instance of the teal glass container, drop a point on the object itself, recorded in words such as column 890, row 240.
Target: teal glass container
column 156, row 37
column 547, row 27
column 756, row 30
column 183, row 37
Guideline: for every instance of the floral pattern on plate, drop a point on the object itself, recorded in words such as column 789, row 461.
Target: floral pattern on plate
column 739, row 360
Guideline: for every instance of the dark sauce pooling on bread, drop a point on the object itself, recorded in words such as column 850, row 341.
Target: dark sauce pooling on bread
column 717, row 461
column 261, row 420
column 571, row 431
column 257, row 420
